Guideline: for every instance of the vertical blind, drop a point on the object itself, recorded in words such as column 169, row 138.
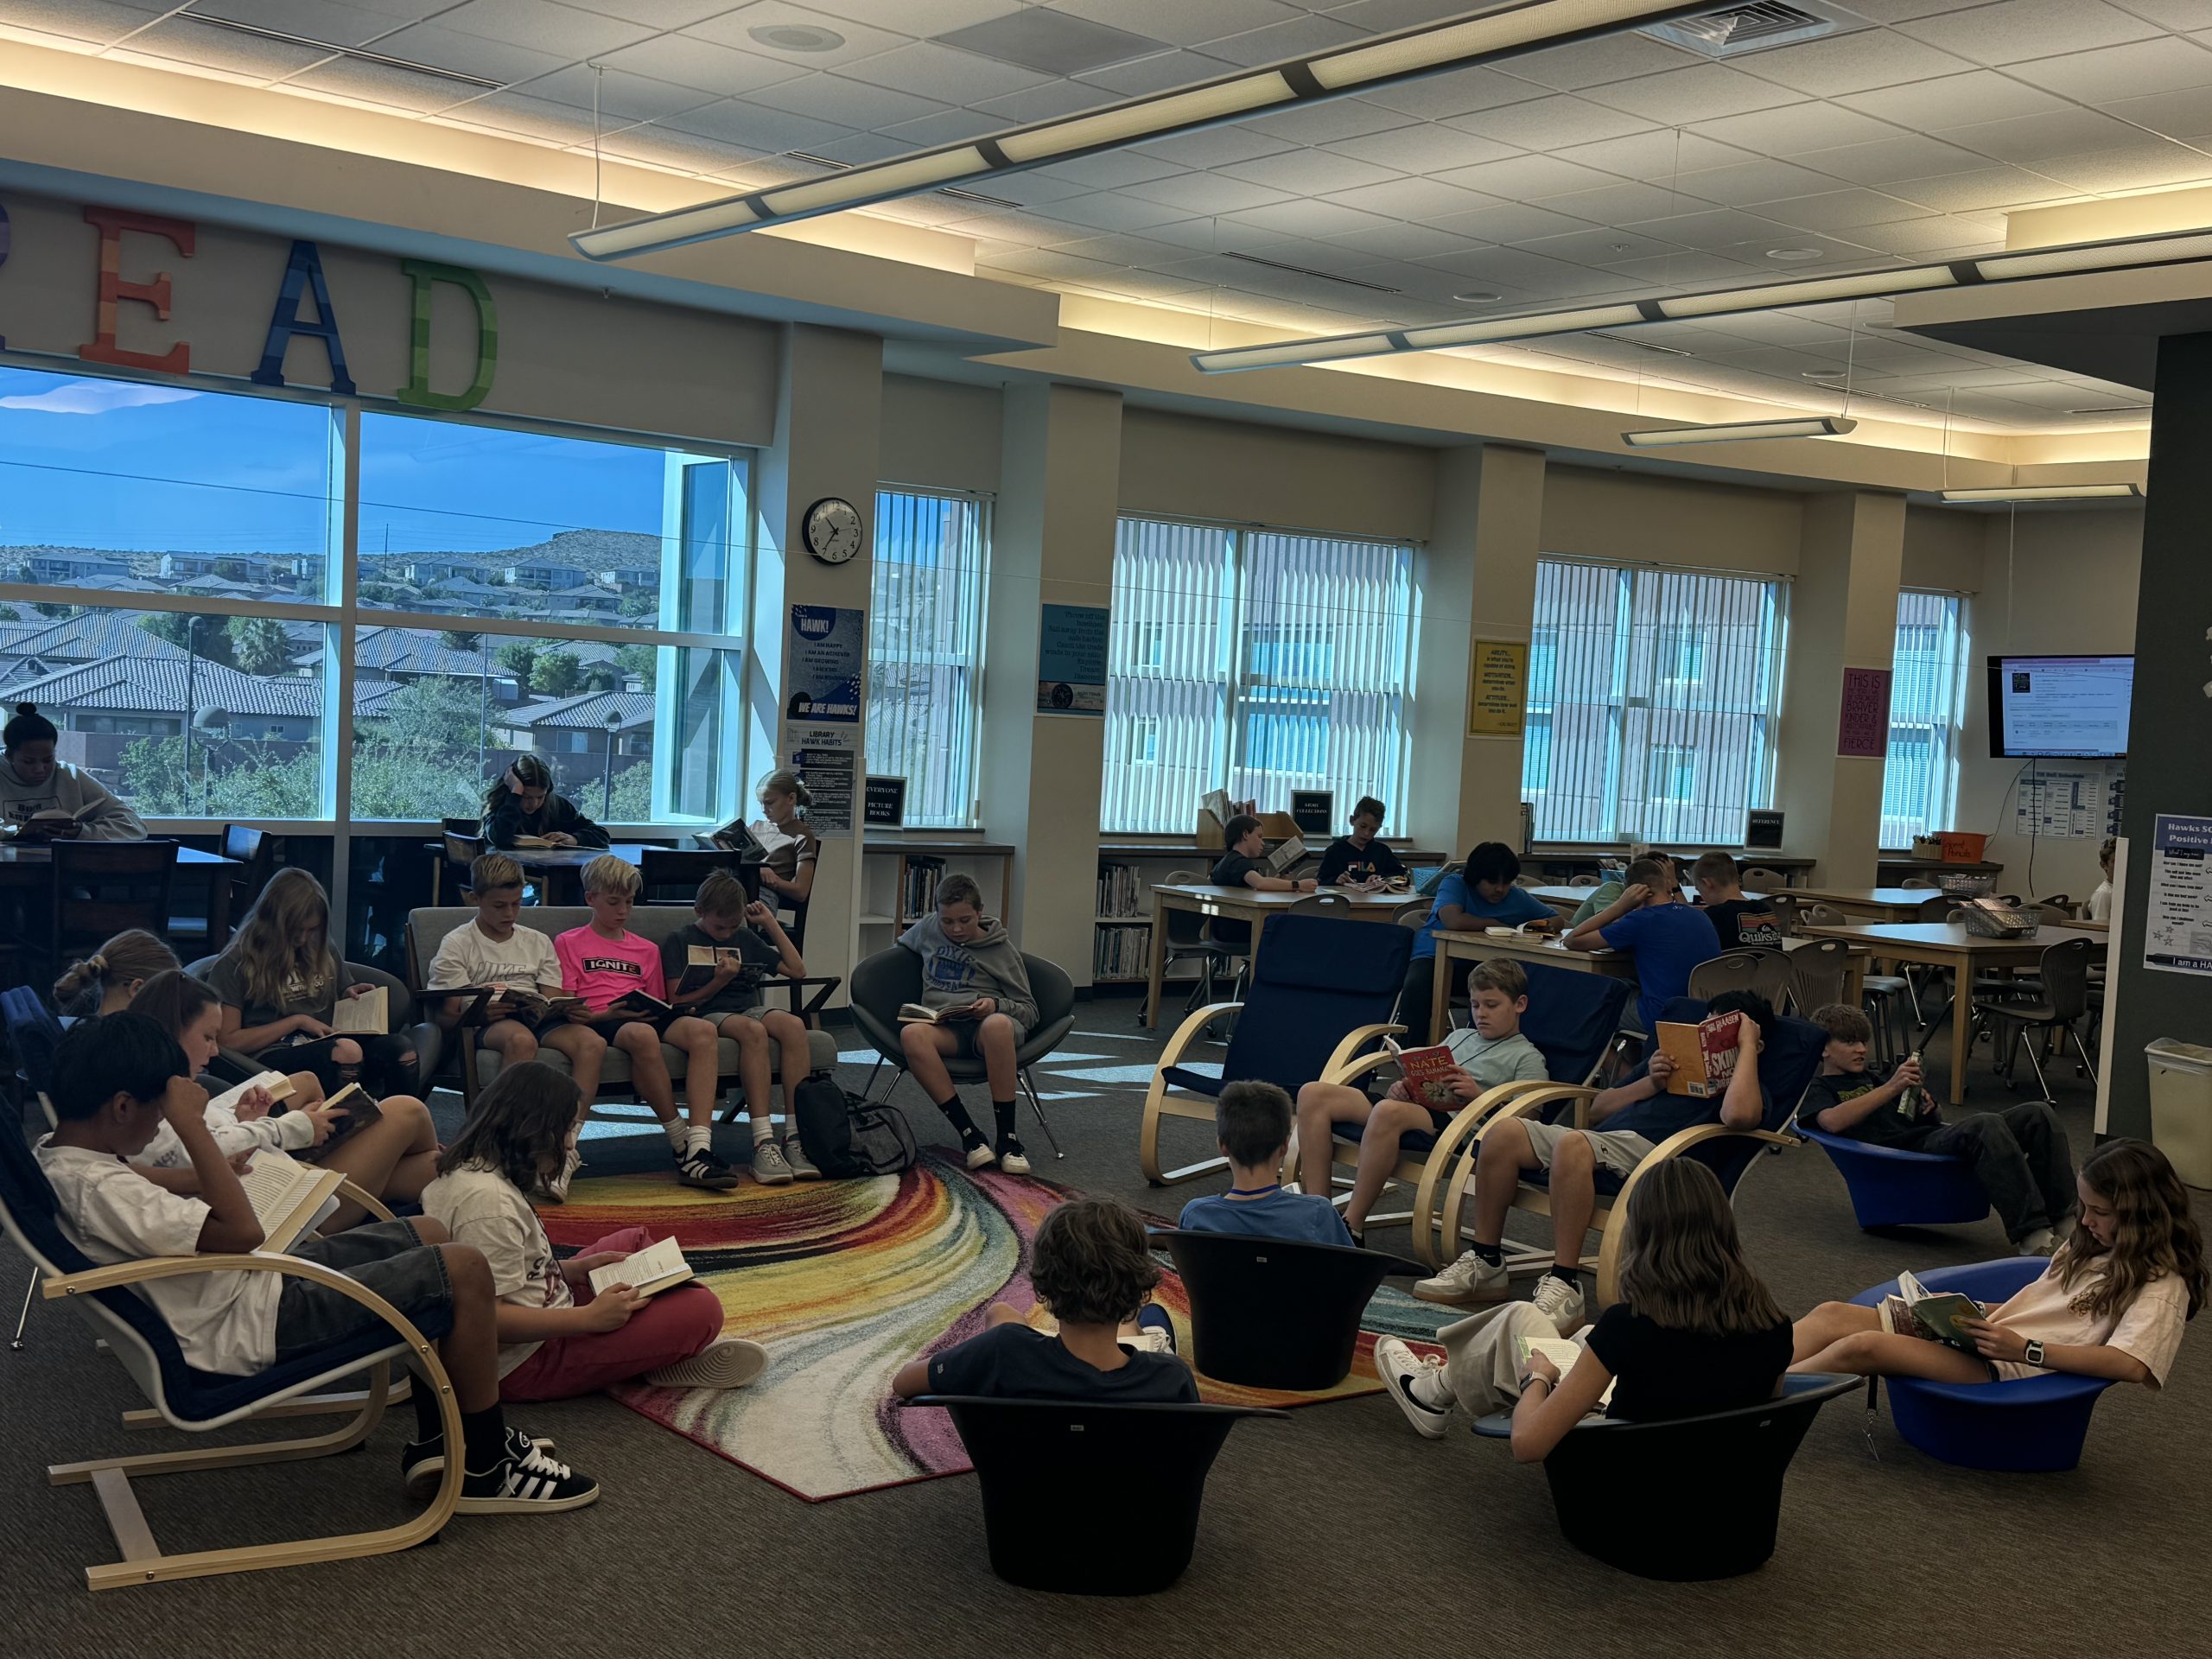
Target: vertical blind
column 1653, row 701
column 925, row 634
column 1920, row 776
column 1256, row 661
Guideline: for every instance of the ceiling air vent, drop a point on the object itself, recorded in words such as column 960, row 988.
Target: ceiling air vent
column 1731, row 31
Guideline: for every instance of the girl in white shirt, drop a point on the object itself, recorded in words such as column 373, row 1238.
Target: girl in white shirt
column 2112, row 1304
column 2100, row 900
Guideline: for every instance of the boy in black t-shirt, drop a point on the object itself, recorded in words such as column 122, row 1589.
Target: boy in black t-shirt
column 1245, row 865
column 1360, row 858
column 748, row 942
column 1740, row 921
column 2019, row 1154
column 1090, row 1266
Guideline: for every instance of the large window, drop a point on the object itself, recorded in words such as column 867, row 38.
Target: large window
column 1920, row 778
column 1653, row 697
column 513, row 590
column 925, row 650
column 1257, row 661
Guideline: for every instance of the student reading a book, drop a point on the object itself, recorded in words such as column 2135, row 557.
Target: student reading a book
column 783, row 833
column 607, row 964
column 1739, row 922
column 2110, row 1304
column 1627, row 1124
column 743, row 940
column 974, row 980
column 104, row 982
column 2018, row 1153
column 557, row 1338
column 1695, row 1331
column 522, row 804
column 2101, row 899
column 1666, row 936
column 494, row 949
column 1245, row 865
column 119, row 1077
column 1490, row 1052
column 43, row 798
column 281, row 979
column 1480, row 895
column 1360, row 858
column 1092, row 1267
column 1252, row 1122
column 390, row 1153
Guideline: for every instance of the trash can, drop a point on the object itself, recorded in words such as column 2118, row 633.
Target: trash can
column 2181, row 1107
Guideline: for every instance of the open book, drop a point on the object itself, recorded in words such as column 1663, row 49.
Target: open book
column 48, row 819
column 913, row 1013
column 655, row 1267
column 700, row 964
column 735, row 837
column 1427, row 1072
column 360, row 1110
column 278, row 1085
column 1564, row 1354
column 369, row 1013
column 640, row 1005
column 1704, row 1054
column 1933, row 1316
column 502, row 1000
column 1286, row 855
column 286, row 1196
column 530, row 843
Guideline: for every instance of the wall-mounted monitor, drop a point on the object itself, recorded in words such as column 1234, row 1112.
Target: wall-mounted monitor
column 2055, row 707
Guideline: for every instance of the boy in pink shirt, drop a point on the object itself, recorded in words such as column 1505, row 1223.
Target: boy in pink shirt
column 603, row 962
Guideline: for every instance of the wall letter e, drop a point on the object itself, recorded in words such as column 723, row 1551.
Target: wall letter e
column 111, row 223
column 418, row 390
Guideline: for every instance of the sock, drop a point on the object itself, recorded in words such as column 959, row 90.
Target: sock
column 1557, row 1272
column 956, row 1115
column 1003, row 1110
column 428, row 1426
column 762, row 1129
column 1430, row 1390
column 679, row 1135
column 698, row 1138
column 1493, row 1254
column 483, row 1439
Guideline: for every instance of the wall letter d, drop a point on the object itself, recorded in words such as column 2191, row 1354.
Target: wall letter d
column 418, row 390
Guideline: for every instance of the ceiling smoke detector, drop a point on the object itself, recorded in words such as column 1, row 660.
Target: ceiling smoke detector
column 1793, row 256
column 796, row 38
column 1478, row 296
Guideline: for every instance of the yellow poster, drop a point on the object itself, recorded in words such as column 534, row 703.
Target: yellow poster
column 1497, row 687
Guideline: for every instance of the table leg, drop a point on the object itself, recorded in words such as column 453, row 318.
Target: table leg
column 1961, row 1024
column 1159, row 956
column 1440, row 999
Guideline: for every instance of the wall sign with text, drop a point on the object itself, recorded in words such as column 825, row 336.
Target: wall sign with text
column 1497, row 688
column 1071, row 660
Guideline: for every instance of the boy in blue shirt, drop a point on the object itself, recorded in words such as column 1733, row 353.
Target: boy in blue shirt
column 1650, row 922
column 1480, row 895
column 1253, row 1122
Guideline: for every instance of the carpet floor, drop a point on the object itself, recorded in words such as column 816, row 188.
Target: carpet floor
column 1334, row 1530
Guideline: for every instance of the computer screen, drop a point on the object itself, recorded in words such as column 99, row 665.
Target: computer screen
column 2059, row 705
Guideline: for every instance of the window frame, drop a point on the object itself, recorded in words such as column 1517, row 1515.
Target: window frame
column 967, row 744
column 1947, row 739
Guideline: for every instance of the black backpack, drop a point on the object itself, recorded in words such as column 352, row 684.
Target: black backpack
column 848, row 1136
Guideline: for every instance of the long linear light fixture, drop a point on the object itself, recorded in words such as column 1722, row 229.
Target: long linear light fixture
column 1811, row 426
column 2173, row 247
column 2027, row 492
column 1383, row 60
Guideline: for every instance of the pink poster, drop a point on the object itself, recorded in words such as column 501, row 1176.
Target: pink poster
column 1864, row 727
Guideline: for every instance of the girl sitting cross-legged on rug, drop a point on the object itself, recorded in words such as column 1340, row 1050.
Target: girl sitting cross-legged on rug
column 557, row 1338
column 1091, row 1265
column 1695, row 1331
column 2112, row 1303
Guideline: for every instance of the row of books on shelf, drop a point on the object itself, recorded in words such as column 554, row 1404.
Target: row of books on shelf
column 1121, row 891
column 919, row 897
column 1120, row 953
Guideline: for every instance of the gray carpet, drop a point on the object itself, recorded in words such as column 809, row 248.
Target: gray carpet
column 1335, row 1530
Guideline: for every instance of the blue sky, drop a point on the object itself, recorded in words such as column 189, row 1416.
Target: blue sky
column 133, row 465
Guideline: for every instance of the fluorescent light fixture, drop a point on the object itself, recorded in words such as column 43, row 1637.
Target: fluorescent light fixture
column 2066, row 262
column 1814, row 290
column 1425, row 49
column 2025, row 493
column 1813, row 426
column 1448, row 334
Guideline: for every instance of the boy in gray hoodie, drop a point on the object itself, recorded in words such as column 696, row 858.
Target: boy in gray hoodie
column 975, row 982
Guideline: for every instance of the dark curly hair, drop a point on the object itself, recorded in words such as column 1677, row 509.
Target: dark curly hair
column 519, row 1124
column 1091, row 1263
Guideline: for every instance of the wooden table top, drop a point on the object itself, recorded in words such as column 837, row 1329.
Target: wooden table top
column 559, row 858
column 1250, row 899
column 11, row 853
column 1935, row 936
column 1903, row 898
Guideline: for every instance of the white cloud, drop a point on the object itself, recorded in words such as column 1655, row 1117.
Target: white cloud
column 96, row 397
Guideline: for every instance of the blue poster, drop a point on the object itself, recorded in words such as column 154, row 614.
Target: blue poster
column 828, row 664
column 1071, row 660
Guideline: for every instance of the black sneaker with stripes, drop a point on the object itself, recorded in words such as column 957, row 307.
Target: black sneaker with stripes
column 524, row 1485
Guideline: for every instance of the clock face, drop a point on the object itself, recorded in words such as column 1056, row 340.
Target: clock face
column 833, row 530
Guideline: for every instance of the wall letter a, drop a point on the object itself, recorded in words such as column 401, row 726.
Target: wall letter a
column 418, row 390
column 112, row 224
column 304, row 272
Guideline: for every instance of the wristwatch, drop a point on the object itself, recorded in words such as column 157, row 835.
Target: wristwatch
column 2034, row 1354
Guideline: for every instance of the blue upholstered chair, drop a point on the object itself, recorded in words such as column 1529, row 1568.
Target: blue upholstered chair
column 1722, row 1474
column 1792, row 1055
column 1322, row 990
column 1894, row 1187
column 197, row 1401
column 1572, row 1018
column 2026, row 1425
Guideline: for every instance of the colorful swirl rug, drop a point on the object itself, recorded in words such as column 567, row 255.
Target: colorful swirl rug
column 845, row 1281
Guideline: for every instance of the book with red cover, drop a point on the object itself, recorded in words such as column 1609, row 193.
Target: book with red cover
column 1427, row 1072
column 1704, row 1054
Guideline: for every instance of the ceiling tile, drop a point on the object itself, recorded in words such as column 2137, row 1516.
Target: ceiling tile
column 689, row 61
column 758, row 127
column 1857, row 63
column 317, row 20
column 1049, row 102
column 1458, row 92
column 2037, row 138
column 1314, row 218
column 2178, row 115
column 1890, row 159
column 1035, row 188
column 1677, row 270
column 1735, row 187
column 2135, row 167
column 1155, row 74
column 2174, row 14
column 949, row 127
column 622, row 97
column 1400, row 242
column 1987, row 186
column 735, row 29
column 1140, row 252
column 1602, row 247
column 1840, row 210
column 1105, row 210
column 665, row 146
column 1212, row 147
column 865, row 147
column 928, row 70
column 1550, row 124
column 532, row 117
column 1298, row 37
column 92, row 21
column 1699, row 93
column 1833, row 250
column 1113, row 169
column 1592, row 63
column 1941, row 234
column 1527, row 178
column 656, row 14
column 174, row 41
column 1330, row 123
column 379, row 83
column 1515, row 268
column 1182, row 23
column 1210, row 234
column 1511, row 222
column 847, row 103
column 1426, row 147
column 1624, row 203
column 1723, row 227
column 1954, row 101
column 1418, row 200
column 1387, row 15
column 470, row 54
column 1802, row 127
column 1663, row 152
column 1206, row 192
column 542, row 26
column 1309, row 172
column 2115, row 72
column 918, row 17
column 2014, row 31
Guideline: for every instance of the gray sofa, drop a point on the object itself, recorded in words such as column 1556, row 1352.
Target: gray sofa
column 427, row 929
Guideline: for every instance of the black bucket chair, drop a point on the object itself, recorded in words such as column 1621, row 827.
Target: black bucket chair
column 1276, row 1314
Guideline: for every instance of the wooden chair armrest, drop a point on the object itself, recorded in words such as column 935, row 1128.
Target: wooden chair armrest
column 1533, row 1097
column 367, row 1200
column 124, row 1273
column 1609, row 1249
column 1187, row 1033
column 1355, row 1039
column 1359, row 1066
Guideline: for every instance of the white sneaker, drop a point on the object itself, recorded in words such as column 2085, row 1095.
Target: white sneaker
column 2042, row 1241
column 1470, row 1278
column 1560, row 1302
column 1400, row 1367
column 726, row 1362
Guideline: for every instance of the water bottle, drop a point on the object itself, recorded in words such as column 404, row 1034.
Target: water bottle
column 1909, row 1102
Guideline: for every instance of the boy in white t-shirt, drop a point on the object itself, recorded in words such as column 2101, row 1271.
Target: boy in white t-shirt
column 1490, row 1052
column 494, row 950
column 116, row 1079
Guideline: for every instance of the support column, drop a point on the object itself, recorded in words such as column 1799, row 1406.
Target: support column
column 829, row 422
column 1842, row 614
column 1478, row 580
column 1052, row 544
